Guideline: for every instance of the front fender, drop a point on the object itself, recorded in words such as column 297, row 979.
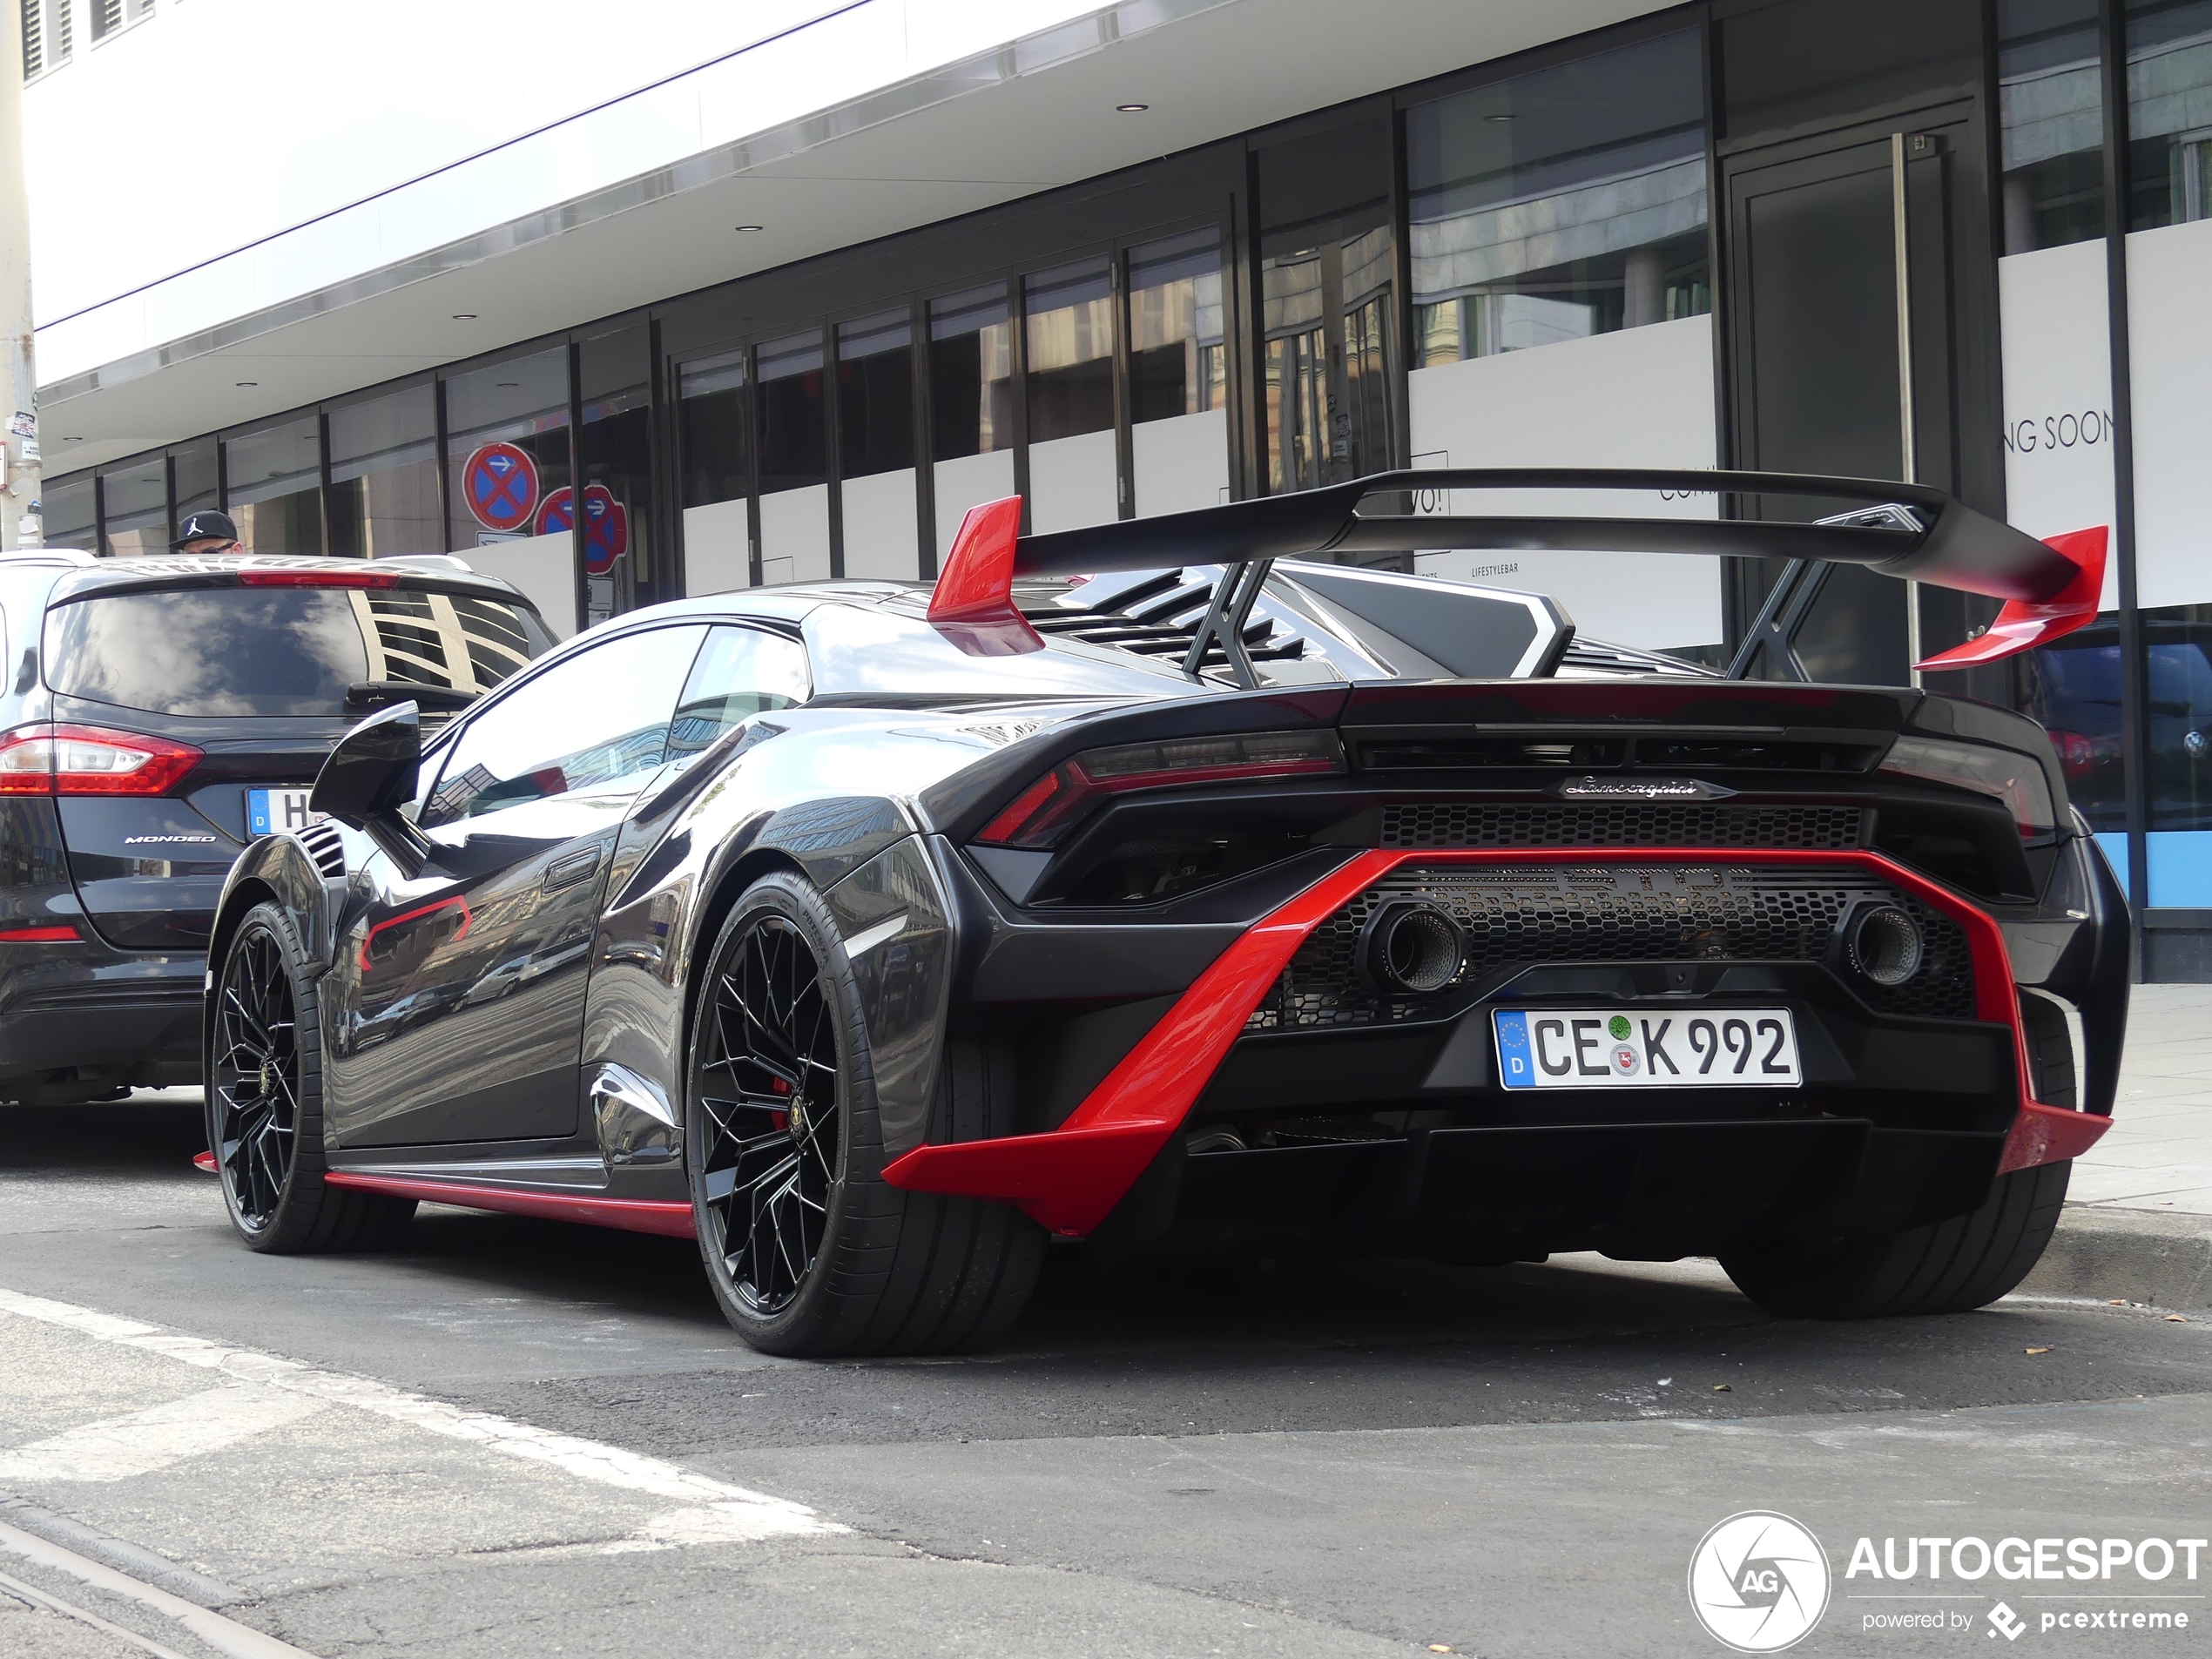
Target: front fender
column 278, row 868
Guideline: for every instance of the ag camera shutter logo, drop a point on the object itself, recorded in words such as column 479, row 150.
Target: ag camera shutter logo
column 1758, row 1582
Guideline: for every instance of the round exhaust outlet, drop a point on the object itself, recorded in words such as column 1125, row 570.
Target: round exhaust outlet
column 1408, row 946
column 1885, row 945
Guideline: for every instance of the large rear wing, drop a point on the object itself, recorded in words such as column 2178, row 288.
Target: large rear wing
column 1909, row 531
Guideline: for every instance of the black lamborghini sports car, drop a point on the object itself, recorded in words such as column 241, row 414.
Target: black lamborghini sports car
column 1170, row 885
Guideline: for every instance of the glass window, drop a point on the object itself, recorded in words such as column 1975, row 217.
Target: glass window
column 598, row 720
column 134, row 508
column 195, row 478
column 2053, row 110
column 1177, row 365
column 1559, row 204
column 739, row 673
column 876, row 392
column 794, row 442
column 711, row 411
column 523, row 402
column 971, row 374
column 274, row 481
column 384, row 476
column 2074, row 689
column 211, row 652
column 1070, row 315
column 66, row 508
column 2169, row 112
column 617, row 451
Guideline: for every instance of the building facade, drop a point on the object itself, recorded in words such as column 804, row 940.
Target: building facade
column 779, row 295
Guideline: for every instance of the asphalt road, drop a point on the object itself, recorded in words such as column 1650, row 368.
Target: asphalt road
column 518, row 1438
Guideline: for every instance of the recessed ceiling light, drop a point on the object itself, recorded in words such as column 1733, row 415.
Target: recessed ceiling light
column 751, row 228
column 464, row 316
column 1132, row 108
column 249, row 382
column 1497, row 118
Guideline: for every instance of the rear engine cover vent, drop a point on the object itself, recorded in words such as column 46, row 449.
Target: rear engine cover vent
column 327, row 847
column 1619, row 824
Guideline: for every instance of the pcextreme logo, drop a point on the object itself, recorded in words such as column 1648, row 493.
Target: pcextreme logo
column 1758, row 1582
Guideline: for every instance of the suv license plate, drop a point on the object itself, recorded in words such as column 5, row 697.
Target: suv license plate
column 272, row 812
column 1622, row 1048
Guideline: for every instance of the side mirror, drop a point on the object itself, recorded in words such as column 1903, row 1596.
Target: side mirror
column 370, row 775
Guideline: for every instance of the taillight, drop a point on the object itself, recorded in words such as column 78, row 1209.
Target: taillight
column 2077, row 754
column 90, row 760
column 39, row 935
column 318, row 578
column 2013, row 778
column 1062, row 795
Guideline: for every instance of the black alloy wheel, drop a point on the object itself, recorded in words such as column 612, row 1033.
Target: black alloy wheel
column 253, row 1082
column 771, row 1093
column 263, row 1072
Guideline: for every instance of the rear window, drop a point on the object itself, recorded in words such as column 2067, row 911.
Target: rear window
column 279, row 651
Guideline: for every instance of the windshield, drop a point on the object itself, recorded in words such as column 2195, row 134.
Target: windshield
column 217, row 652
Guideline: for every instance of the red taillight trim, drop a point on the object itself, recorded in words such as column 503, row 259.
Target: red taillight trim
column 1069, row 1179
column 318, row 578
column 168, row 764
column 40, row 937
column 2023, row 624
column 456, row 902
column 1026, row 806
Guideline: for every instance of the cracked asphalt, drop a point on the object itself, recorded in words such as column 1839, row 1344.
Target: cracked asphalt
column 514, row 1437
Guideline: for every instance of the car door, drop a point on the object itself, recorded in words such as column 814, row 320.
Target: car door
column 460, row 992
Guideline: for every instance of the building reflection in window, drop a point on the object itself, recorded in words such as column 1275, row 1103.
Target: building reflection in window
column 794, row 458
column 525, row 402
column 971, row 404
column 2051, row 106
column 717, row 466
column 274, row 479
column 1069, row 319
column 384, row 476
column 1178, row 375
column 66, row 511
column 615, row 456
column 875, row 445
column 136, row 503
column 1566, row 202
column 195, row 480
column 2169, row 112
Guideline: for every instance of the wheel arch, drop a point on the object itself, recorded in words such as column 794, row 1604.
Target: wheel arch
column 275, row 869
column 723, row 893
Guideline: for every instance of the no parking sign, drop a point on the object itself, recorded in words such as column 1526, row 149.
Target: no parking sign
column 606, row 524
column 499, row 481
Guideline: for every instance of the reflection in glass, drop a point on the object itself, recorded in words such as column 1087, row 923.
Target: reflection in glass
column 66, row 510
column 2169, row 112
column 1177, row 365
column 1563, row 203
column 876, row 392
column 2053, row 110
column 384, row 476
column 740, row 672
column 614, row 453
column 134, row 508
column 193, row 480
column 710, row 412
column 1069, row 321
column 794, row 444
column 971, row 374
column 1328, row 359
column 274, row 481
column 2074, row 688
column 525, row 402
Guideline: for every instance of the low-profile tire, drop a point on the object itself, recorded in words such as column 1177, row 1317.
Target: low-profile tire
column 263, row 1072
column 1945, row 1267
column 809, row 1250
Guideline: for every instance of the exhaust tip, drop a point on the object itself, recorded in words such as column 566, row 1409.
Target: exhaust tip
column 1407, row 946
column 1885, row 945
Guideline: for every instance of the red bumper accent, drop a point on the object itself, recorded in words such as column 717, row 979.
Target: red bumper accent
column 630, row 1215
column 1070, row 1179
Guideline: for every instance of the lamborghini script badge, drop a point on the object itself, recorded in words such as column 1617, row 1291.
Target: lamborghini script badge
column 1640, row 789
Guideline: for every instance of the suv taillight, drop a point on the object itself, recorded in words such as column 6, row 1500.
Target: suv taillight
column 90, row 760
column 1056, row 799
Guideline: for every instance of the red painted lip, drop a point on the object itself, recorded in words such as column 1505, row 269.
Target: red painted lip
column 454, row 903
column 1070, row 1179
column 669, row 1219
column 205, row 1163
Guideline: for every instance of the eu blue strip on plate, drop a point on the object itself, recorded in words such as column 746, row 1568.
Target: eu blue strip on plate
column 1513, row 1066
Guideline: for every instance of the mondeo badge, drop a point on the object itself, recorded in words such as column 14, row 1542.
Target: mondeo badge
column 1589, row 788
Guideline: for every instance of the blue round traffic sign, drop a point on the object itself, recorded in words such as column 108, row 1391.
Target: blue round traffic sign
column 499, row 481
column 606, row 530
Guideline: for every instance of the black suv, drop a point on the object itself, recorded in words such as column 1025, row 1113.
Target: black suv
column 156, row 715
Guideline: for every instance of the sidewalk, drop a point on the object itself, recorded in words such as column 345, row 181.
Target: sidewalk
column 2138, row 1220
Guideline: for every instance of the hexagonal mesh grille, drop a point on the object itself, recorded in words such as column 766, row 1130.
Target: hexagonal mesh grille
column 1518, row 915
column 1618, row 824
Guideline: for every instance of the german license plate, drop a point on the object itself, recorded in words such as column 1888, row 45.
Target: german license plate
column 272, row 812
column 1625, row 1048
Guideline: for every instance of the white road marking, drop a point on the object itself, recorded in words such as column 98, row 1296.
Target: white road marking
column 725, row 1505
column 117, row 1449
column 225, row 1636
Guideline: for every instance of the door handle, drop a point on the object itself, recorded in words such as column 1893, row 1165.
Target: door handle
column 566, row 872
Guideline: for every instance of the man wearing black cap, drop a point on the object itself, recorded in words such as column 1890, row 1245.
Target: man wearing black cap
column 209, row 532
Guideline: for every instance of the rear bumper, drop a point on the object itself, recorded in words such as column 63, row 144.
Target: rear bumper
column 1072, row 1178
column 130, row 1017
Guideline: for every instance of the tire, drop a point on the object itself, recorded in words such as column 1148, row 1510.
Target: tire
column 263, row 1071
column 809, row 1250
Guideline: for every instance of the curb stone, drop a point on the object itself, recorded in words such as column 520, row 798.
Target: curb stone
column 2163, row 1257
